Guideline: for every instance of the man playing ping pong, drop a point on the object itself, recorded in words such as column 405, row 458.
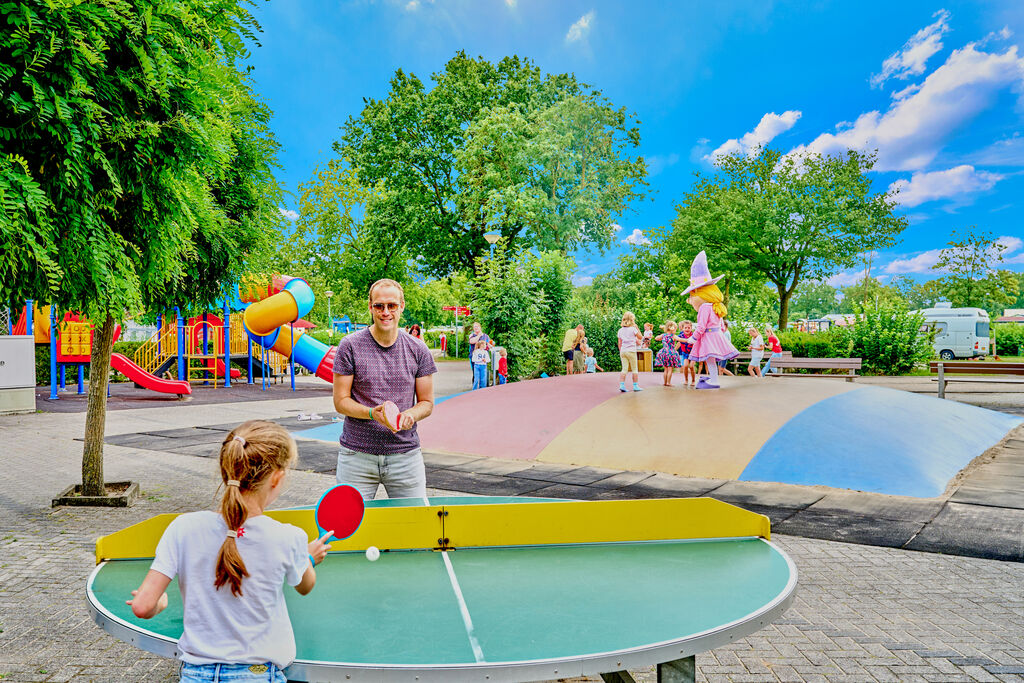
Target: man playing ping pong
column 372, row 367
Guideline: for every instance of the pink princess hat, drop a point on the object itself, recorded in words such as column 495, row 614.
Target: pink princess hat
column 699, row 274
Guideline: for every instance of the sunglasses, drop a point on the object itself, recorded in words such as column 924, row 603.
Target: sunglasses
column 391, row 307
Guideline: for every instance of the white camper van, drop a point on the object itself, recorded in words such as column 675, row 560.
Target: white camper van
column 959, row 332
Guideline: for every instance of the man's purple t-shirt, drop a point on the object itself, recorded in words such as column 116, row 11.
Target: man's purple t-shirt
column 381, row 374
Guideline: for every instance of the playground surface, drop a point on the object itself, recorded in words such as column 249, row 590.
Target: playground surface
column 862, row 612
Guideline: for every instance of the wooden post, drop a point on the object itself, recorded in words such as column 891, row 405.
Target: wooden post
column 942, row 381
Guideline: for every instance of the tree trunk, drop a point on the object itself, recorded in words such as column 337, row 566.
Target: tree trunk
column 783, row 306
column 96, row 416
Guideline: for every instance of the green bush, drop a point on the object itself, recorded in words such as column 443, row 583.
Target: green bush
column 808, row 345
column 1008, row 338
column 887, row 339
column 508, row 307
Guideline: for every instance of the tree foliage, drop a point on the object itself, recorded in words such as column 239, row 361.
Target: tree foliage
column 541, row 158
column 135, row 163
column 785, row 219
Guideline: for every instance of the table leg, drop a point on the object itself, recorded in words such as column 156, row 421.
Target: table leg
column 618, row 677
column 680, row 671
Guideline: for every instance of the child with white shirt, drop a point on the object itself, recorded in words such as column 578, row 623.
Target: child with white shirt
column 232, row 566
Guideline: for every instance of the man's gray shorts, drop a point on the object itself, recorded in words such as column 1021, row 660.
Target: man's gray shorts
column 402, row 474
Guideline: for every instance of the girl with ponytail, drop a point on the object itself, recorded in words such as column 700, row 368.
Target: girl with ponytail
column 232, row 565
column 709, row 342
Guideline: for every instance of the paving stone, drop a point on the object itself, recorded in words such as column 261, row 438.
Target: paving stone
column 877, row 506
column 992, row 497
column 481, row 484
column 767, row 494
column 568, row 491
column 442, row 460
column 1001, row 467
column 975, row 530
column 177, row 432
column 667, row 486
column 848, row 528
column 578, row 476
column 620, row 479
column 205, row 450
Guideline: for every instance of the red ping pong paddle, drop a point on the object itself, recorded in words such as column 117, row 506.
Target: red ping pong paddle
column 393, row 415
column 340, row 509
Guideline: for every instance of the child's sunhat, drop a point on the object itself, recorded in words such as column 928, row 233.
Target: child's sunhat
column 699, row 274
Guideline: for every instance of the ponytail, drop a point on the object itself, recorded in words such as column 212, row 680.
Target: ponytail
column 249, row 454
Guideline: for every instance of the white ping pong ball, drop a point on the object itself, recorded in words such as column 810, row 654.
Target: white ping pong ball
column 372, row 553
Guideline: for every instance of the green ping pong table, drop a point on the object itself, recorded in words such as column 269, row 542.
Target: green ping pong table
column 503, row 591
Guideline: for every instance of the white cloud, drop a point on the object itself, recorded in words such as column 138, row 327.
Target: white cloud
column 914, row 129
column 636, row 238
column 659, row 162
column 770, row 126
column 582, row 280
column 289, row 214
column 616, row 228
column 901, row 94
column 922, row 263
column 511, row 4
column 1012, row 245
column 846, row 279
column 412, row 5
column 581, row 29
column 1005, row 152
column 925, row 187
column 911, row 59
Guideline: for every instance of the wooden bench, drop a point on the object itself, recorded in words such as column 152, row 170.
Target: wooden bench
column 851, row 365
column 744, row 359
column 1009, row 373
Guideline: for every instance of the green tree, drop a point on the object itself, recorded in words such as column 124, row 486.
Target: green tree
column 345, row 231
column 542, row 158
column 918, row 295
column 813, row 299
column 869, row 293
column 968, row 258
column 509, row 309
column 785, row 219
column 135, row 165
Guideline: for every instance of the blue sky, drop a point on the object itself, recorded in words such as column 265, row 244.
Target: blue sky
column 937, row 88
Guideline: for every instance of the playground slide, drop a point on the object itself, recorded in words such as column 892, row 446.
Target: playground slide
column 265, row 321
column 235, row 372
column 136, row 374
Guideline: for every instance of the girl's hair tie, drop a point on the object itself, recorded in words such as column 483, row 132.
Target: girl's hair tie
column 232, row 533
column 233, row 482
column 239, row 440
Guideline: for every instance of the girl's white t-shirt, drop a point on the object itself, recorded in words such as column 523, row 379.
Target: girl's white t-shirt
column 628, row 337
column 220, row 627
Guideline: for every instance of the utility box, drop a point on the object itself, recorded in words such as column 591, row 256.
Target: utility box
column 17, row 374
column 645, row 360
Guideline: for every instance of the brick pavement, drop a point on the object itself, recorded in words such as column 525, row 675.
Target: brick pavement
column 862, row 613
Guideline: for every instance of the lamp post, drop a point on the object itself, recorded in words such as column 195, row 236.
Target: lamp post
column 492, row 238
column 330, row 318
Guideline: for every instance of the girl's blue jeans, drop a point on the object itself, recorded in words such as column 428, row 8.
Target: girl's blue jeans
column 235, row 673
column 479, row 375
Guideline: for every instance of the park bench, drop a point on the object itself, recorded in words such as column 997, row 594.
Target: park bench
column 967, row 371
column 744, row 359
column 851, row 365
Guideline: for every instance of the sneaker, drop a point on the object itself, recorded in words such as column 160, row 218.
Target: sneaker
column 622, row 386
column 637, row 387
column 316, row 416
column 705, row 384
column 302, row 417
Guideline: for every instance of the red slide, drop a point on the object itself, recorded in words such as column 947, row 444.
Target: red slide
column 235, row 372
column 136, row 374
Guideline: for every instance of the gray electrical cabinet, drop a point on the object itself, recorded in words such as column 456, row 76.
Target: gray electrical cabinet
column 17, row 374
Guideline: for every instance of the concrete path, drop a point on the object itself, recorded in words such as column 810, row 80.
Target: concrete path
column 863, row 612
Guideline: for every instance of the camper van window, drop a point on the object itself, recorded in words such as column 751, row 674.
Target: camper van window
column 981, row 329
column 940, row 329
